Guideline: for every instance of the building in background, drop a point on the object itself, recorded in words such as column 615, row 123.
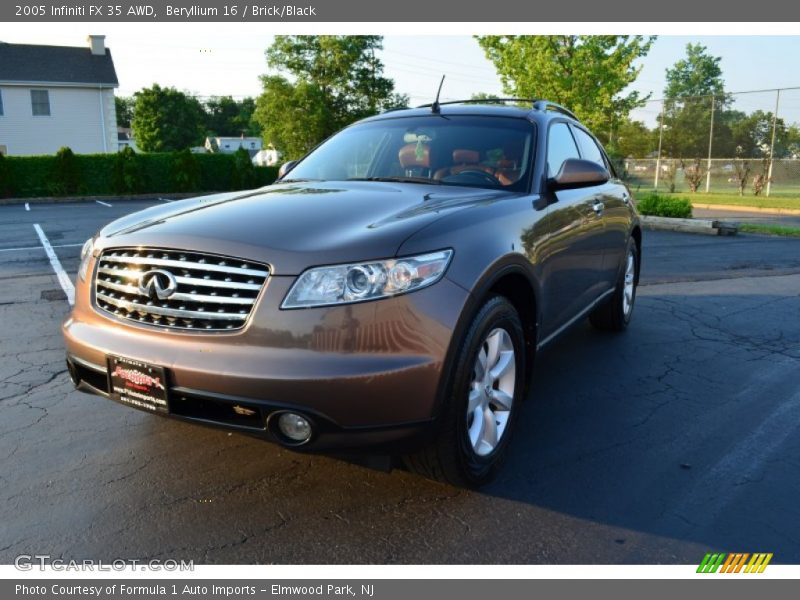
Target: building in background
column 229, row 145
column 54, row 96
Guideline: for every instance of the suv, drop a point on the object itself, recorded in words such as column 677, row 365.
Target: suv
column 389, row 291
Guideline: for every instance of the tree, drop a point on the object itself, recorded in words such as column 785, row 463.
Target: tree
column 589, row 74
column 335, row 80
column 124, row 109
column 228, row 117
column 633, row 139
column 165, row 119
column 691, row 84
column 753, row 133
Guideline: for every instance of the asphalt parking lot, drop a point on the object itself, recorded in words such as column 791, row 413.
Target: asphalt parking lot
column 680, row 436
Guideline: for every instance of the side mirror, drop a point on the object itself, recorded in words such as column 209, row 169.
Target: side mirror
column 577, row 173
column 285, row 168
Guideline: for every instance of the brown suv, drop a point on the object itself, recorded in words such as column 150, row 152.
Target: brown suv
column 389, row 291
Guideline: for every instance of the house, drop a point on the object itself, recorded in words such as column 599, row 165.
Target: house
column 268, row 157
column 54, row 96
column 229, row 145
column 125, row 139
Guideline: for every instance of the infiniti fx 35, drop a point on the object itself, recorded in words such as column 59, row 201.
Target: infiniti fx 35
column 388, row 292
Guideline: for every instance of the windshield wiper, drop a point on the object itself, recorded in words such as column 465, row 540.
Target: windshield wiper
column 398, row 179
column 299, row 180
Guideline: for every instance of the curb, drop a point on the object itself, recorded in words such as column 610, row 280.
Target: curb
column 701, row 226
column 73, row 199
column 737, row 208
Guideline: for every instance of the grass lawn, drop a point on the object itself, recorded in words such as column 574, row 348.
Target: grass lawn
column 769, row 229
column 781, row 201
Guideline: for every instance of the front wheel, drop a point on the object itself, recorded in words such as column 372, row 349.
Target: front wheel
column 615, row 314
column 482, row 402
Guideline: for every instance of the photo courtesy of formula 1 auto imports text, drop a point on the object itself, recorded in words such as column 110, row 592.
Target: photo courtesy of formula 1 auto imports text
column 316, row 300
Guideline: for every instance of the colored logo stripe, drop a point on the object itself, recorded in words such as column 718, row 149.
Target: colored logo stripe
column 734, row 562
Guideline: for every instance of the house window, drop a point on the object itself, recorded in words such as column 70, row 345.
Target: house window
column 40, row 103
column 3, row 149
column 1, row 103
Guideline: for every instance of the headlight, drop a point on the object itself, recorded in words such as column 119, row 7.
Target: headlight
column 344, row 284
column 86, row 254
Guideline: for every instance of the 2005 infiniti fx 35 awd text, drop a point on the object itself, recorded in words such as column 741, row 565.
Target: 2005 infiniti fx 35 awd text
column 388, row 292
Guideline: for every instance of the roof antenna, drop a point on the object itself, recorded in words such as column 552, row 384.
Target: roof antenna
column 435, row 108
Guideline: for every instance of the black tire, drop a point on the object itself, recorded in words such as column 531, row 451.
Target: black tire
column 611, row 315
column 450, row 456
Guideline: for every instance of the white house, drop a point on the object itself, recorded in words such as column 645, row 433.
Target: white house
column 54, row 96
column 229, row 145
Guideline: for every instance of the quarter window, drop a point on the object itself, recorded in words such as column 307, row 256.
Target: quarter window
column 40, row 103
column 589, row 149
column 560, row 147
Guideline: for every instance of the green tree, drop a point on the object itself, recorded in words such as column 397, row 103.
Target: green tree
column 589, row 74
column 691, row 84
column 335, row 80
column 66, row 178
column 753, row 134
column 124, row 109
column 165, row 119
column 633, row 139
column 229, row 117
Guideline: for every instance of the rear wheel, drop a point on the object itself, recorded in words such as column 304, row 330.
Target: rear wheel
column 615, row 314
column 483, row 401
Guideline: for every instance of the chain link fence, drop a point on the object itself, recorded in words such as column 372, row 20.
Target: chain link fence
column 744, row 143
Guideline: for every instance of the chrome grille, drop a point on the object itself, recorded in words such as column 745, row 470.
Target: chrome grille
column 212, row 292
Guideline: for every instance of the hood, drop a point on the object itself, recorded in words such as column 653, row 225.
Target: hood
column 294, row 226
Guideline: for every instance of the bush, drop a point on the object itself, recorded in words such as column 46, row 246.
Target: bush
column 66, row 177
column 127, row 177
column 6, row 185
column 660, row 205
column 109, row 174
column 242, row 176
column 185, row 172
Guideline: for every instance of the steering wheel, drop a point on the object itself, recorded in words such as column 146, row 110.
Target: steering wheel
column 472, row 174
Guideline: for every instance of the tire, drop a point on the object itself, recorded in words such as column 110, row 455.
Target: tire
column 615, row 314
column 461, row 452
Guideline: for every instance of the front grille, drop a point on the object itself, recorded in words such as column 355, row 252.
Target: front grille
column 212, row 292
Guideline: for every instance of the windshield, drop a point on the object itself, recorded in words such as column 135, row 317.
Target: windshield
column 492, row 152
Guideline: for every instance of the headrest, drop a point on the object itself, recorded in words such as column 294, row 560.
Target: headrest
column 412, row 156
column 466, row 157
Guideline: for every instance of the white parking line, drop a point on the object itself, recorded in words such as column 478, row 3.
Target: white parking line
column 27, row 206
column 61, row 274
column 104, row 203
column 22, row 248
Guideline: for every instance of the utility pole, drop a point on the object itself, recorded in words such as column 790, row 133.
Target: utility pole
column 710, row 140
column 660, row 139
column 772, row 143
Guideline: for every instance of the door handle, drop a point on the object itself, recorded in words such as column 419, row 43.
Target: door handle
column 626, row 197
column 598, row 207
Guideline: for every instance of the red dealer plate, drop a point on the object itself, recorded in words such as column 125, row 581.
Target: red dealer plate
column 138, row 384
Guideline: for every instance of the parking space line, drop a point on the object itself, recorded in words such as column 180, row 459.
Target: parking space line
column 23, row 248
column 104, row 203
column 27, row 206
column 61, row 274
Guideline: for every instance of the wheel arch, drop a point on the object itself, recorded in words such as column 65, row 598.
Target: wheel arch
column 512, row 277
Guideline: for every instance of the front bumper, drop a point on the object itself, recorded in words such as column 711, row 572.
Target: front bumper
column 365, row 374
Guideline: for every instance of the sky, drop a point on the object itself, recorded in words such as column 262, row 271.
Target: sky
column 225, row 59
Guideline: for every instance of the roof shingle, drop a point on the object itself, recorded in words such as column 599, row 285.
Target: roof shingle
column 55, row 64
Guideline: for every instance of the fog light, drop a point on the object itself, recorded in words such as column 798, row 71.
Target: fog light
column 295, row 427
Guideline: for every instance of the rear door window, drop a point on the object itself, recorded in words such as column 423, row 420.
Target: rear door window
column 589, row 148
column 560, row 147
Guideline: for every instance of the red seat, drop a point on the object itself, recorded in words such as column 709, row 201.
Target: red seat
column 463, row 160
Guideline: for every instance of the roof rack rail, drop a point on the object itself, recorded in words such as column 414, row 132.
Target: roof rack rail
column 480, row 101
column 544, row 105
column 536, row 103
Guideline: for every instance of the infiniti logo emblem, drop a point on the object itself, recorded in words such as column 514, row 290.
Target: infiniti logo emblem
column 157, row 284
